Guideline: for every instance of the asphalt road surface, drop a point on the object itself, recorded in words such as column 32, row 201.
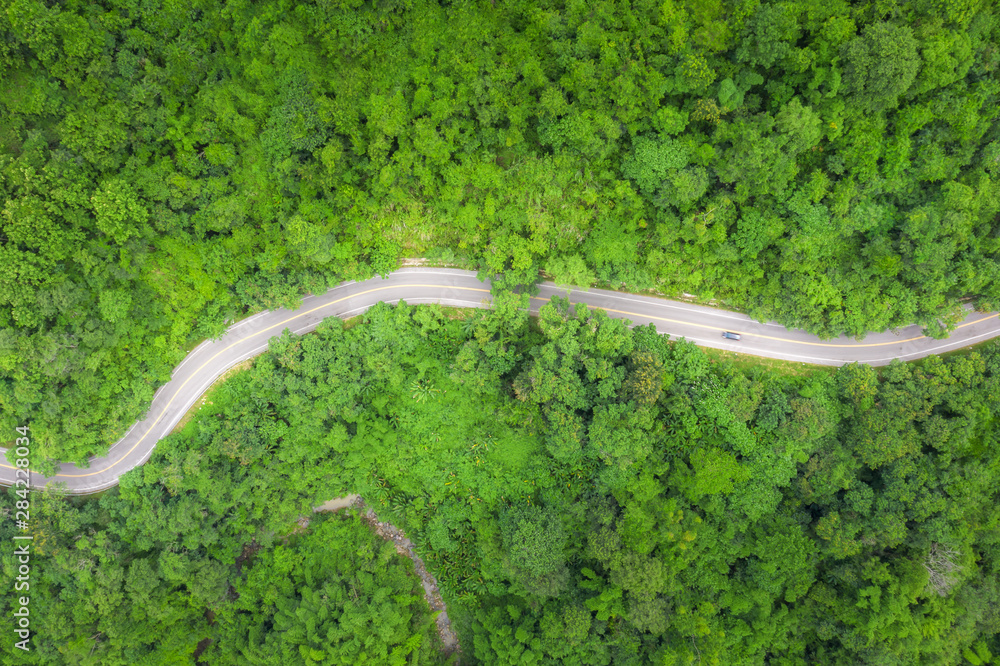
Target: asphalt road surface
column 702, row 325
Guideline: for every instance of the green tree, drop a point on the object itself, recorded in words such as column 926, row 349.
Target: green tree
column 880, row 65
column 534, row 542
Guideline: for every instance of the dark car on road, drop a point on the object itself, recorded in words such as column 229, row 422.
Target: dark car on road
column 731, row 336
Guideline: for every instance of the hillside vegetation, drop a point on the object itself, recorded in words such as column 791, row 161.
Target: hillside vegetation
column 165, row 166
column 585, row 494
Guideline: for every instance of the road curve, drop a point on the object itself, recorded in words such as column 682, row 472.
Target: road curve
column 699, row 324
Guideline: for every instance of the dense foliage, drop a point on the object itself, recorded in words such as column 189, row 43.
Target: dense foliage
column 340, row 596
column 102, row 595
column 585, row 493
column 166, row 165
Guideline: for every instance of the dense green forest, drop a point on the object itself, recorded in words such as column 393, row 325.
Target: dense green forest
column 166, row 166
column 585, row 493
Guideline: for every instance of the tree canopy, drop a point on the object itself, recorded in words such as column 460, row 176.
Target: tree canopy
column 165, row 168
column 585, row 493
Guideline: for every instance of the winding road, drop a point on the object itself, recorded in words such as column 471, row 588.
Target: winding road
column 702, row 325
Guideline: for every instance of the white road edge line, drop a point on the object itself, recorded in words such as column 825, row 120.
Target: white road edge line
column 663, row 305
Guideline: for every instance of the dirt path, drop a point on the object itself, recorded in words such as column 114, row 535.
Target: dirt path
column 336, row 504
column 404, row 547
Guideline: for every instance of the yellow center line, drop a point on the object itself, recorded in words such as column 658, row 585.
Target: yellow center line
column 434, row 286
column 224, row 350
column 796, row 342
column 871, row 344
